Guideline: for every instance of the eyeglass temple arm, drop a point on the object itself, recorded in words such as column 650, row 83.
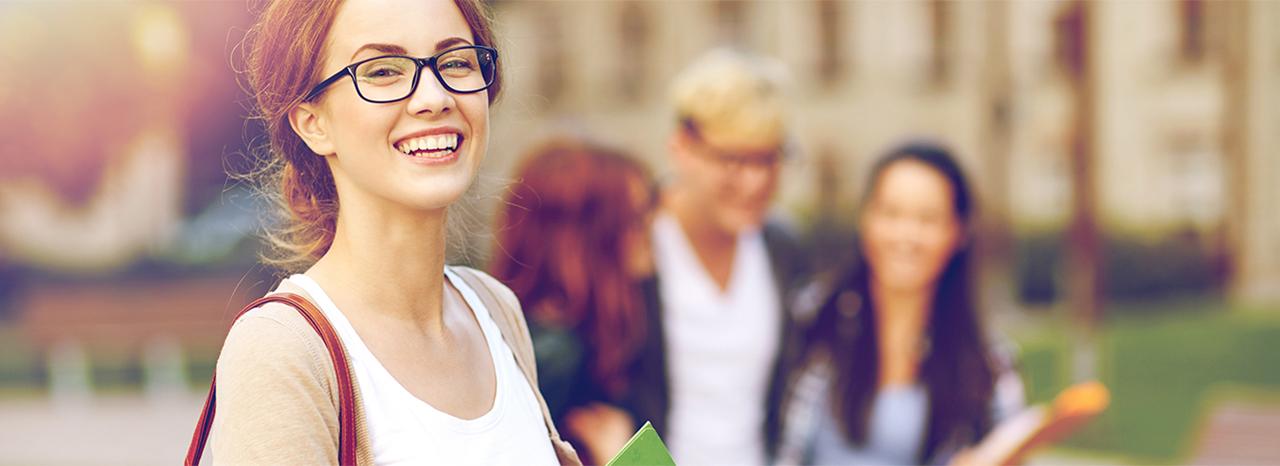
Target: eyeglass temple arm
column 315, row 91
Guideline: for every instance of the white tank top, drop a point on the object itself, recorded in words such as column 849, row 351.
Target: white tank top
column 407, row 430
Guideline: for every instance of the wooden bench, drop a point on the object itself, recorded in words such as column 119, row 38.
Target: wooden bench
column 157, row 322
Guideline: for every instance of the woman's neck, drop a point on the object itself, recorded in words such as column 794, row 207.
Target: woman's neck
column 389, row 263
column 901, row 319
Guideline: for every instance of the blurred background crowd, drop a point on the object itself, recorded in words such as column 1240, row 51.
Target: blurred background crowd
column 1120, row 156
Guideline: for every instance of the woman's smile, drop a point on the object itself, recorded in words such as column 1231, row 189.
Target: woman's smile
column 432, row 147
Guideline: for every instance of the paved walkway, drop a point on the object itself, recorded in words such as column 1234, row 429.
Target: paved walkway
column 105, row 430
column 131, row 430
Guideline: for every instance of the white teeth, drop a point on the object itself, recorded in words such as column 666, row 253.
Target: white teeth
column 442, row 142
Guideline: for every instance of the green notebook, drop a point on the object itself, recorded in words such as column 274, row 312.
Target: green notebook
column 644, row 449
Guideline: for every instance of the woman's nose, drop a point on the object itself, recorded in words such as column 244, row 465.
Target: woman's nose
column 430, row 97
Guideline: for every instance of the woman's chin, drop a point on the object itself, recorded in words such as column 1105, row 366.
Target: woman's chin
column 438, row 190
column 435, row 197
column 904, row 282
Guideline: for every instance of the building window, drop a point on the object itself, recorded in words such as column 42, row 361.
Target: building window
column 1195, row 174
column 633, row 29
column 731, row 19
column 831, row 49
column 940, row 12
column 551, row 56
column 1191, row 37
column 1070, row 39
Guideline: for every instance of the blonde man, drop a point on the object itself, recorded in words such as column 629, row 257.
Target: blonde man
column 723, row 269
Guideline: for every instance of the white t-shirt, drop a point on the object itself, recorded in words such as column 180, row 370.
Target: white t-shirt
column 407, row 430
column 720, row 347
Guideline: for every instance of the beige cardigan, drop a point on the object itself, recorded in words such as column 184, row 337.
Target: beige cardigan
column 277, row 397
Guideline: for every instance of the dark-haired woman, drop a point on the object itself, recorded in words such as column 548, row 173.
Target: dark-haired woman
column 573, row 245
column 897, row 368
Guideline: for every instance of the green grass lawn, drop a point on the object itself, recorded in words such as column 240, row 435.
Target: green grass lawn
column 1161, row 368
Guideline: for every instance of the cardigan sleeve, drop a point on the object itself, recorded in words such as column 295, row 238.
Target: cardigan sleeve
column 274, row 401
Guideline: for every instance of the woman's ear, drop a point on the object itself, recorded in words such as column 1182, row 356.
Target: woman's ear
column 311, row 126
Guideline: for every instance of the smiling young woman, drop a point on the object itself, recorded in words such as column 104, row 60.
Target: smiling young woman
column 897, row 367
column 378, row 115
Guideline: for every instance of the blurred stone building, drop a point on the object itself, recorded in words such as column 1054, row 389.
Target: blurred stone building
column 1180, row 101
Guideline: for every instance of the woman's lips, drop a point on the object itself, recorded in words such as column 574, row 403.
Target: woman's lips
column 430, row 145
column 433, row 149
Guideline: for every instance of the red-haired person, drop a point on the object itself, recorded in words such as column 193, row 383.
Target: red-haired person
column 573, row 244
column 378, row 117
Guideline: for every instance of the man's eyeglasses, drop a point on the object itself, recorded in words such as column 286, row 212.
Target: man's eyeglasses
column 392, row 78
column 734, row 162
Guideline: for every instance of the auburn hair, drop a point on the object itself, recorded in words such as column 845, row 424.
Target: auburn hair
column 561, row 248
column 282, row 55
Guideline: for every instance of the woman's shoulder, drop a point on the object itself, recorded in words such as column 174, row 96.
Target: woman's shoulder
column 271, row 339
column 272, row 319
column 827, row 287
column 277, row 400
column 503, row 306
column 475, row 277
column 503, row 302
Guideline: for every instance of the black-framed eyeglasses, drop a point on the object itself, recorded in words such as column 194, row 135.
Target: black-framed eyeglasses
column 736, row 162
column 392, row 78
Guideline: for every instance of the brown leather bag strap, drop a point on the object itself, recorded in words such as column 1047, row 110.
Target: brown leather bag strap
column 337, row 353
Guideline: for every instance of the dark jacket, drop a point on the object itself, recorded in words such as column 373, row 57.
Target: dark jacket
column 653, row 391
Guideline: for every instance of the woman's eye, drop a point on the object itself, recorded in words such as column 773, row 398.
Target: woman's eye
column 458, row 65
column 383, row 73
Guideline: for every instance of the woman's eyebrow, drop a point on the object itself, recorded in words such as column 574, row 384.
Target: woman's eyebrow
column 451, row 42
column 390, row 49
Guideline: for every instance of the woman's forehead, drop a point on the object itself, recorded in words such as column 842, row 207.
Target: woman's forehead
column 414, row 27
column 913, row 182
